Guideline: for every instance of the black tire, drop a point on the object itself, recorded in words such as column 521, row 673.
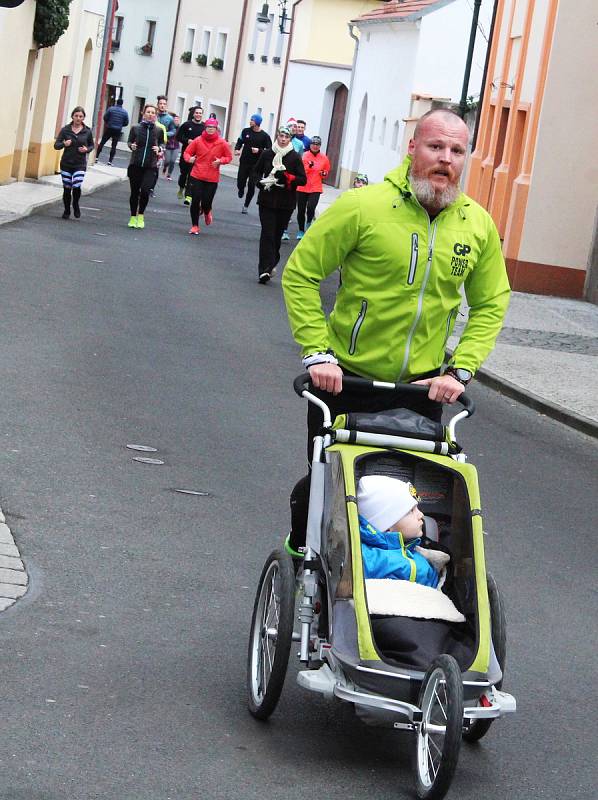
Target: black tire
column 498, row 625
column 438, row 740
column 271, row 634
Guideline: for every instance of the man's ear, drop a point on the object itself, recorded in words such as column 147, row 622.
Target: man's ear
column 411, row 147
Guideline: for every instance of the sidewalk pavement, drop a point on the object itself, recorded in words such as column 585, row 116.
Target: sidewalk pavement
column 546, row 355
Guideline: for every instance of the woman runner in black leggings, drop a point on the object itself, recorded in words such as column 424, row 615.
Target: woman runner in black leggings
column 143, row 168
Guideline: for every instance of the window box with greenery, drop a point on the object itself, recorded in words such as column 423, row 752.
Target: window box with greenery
column 146, row 50
column 186, row 57
column 217, row 63
column 201, row 59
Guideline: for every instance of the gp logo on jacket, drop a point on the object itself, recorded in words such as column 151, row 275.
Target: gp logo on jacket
column 402, row 279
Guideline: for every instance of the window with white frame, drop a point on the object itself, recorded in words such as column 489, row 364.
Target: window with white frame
column 189, row 40
column 244, row 112
column 270, row 123
column 280, row 39
column 180, row 106
column 254, row 38
column 150, row 32
column 395, row 135
column 383, row 131
column 220, row 51
column 205, row 42
column 372, row 127
column 268, row 39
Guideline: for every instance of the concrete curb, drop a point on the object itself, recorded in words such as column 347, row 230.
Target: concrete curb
column 527, row 398
column 14, row 580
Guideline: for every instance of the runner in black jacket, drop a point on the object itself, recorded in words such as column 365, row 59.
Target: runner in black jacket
column 144, row 141
column 278, row 172
column 76, row 139
column 188, row 131
column 250, row 145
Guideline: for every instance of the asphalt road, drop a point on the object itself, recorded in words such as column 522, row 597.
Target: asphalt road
column 123, row 669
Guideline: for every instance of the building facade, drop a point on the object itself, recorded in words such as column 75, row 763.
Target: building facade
column 204, row 57
column 45, row 84
column 534, row 166
column 142, row 42
column 384, row 102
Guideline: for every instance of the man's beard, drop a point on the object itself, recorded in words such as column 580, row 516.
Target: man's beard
column 429, row 197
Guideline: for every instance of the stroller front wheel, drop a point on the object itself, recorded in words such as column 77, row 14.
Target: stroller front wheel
column 271, row 634
column 438, row 739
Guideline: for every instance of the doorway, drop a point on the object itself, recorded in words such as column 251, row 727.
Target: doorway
column 335, row 134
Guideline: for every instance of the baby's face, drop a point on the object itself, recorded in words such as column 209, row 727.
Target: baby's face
column 411, row 525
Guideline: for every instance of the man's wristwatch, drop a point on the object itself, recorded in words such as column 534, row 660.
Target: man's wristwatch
column 461, row 375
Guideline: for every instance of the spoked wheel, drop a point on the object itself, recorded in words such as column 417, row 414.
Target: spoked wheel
column 271, row 634
column 498, row 626
column 436, row 749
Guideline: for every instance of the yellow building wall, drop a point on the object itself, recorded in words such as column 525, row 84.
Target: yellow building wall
column 321, row 30
column 16, row 25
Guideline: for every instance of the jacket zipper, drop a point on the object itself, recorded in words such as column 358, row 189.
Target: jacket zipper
column 420, row 299
column 452, row 314
column 357, row 326
column 413, row 262
column 145, row 148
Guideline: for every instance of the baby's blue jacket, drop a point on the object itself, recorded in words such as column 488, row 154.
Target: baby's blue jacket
column 386, row 555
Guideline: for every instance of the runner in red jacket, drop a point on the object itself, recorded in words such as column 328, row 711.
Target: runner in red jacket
column 317, row 166
column 207, row 153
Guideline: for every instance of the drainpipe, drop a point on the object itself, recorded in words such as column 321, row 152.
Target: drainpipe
column 236, row 69
column 349, row 98
column 484, row 76
column 472, row 34
column 176, row 25
column 286, row 63
column 103, row 71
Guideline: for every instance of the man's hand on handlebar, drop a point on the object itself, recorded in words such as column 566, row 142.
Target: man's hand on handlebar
column 443, row 388
column 328, row 377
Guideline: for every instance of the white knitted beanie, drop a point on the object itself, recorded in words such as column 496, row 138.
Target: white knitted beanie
column 384, row 501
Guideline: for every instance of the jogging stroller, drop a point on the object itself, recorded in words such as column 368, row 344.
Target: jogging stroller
column 438, row 676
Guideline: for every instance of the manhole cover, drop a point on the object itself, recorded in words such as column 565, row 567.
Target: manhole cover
column 142, row 448
column 143, row 460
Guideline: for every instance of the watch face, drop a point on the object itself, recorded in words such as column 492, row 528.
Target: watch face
column 463, row 374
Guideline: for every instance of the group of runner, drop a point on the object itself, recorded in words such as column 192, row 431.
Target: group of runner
column 288, row 172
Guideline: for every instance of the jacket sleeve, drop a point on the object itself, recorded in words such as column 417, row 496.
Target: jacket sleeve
column 59, row 143
column 125, row 119
column 106, row 115
column 227, row 154
column 320, row 254
column 132, row 136
column 189, row 150
column 298, row 173
column 179, row 133
column 239, row 142
column 90, row 145
column 488, row 292
column 257, row 173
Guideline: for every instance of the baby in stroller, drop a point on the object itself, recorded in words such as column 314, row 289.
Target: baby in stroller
column 391, row 527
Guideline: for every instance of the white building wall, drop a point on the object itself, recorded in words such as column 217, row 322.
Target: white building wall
column 387, row 95
column 143, row 76
column 424, row 57
column 305, row 95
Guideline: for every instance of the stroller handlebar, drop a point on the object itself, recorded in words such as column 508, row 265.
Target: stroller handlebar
column 302, row 383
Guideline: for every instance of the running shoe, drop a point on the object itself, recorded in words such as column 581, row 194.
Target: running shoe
column 285, row 236
column 132, row 222
column 264, row 277
column 208, row 217
column 194, row 230
column 179, row 194
column 168, row 177
column 300, row 235
column 109, row 163
column 140, row 221
column 187, row 200
column 244, row 210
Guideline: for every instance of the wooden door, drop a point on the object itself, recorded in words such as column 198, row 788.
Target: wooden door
column 335, row 135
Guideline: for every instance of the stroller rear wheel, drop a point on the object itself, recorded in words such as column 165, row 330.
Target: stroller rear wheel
column 438, row 740
column 271, row 634
column 498, row 626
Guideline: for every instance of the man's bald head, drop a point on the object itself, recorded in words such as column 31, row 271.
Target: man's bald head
column 448, row 116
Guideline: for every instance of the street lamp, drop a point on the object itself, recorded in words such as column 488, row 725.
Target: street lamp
column 263, row 18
